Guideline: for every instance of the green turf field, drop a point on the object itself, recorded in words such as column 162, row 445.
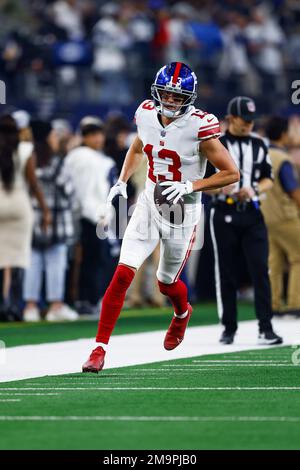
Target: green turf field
column 245, row 400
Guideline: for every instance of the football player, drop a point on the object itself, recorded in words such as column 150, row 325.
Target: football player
column 177, row 139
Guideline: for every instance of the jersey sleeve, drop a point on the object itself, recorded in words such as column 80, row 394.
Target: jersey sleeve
column 138, row 116
column 145, row 105
column 210, row 127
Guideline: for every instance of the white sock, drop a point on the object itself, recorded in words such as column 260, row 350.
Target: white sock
column 185, row 314
column 104, row 346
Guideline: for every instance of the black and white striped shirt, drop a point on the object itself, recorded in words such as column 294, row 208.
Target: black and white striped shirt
column 250, row 154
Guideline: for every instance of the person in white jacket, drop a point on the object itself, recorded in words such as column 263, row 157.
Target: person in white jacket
column 93, row 173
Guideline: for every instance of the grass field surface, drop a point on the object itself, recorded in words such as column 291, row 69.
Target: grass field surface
column 246, row 400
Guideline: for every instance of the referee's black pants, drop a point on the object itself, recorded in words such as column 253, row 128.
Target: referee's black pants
column 233, row 230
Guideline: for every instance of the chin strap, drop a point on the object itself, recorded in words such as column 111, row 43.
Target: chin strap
column 170, row 114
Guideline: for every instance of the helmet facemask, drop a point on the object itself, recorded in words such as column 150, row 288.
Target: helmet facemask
column 163, row 108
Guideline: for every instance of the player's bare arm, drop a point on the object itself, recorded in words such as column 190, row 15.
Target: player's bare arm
column 220, row 158
column 132, row 160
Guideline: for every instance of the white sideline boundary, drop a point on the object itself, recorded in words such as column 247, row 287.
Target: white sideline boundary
column 161, row 389
column 31, row 361
column 200, row 419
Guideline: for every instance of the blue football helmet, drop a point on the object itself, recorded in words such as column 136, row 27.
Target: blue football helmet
column 178, row 78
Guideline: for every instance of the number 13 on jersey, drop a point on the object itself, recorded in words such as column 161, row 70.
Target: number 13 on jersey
column 163, row 170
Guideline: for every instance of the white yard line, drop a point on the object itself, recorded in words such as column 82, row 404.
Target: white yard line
column 9, row 400
column 248, row 361
column 195, row 367
column 65, row 357
column 28, row 394
column 279, row 419
column 151, row 389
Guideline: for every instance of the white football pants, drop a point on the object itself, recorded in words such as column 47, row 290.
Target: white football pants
column 147, row 228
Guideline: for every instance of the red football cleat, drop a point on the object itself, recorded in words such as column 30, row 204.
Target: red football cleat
column 95, row 362
column 175, row 333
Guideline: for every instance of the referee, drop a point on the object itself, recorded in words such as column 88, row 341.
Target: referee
column 236, row 223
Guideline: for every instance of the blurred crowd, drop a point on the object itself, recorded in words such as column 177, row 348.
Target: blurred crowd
column 54, row 53
column 53, row 188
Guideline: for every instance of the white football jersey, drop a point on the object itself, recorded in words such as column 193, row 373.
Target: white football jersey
column 173, row 151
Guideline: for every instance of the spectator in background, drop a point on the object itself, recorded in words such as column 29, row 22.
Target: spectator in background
column 68, row 16
column 265, row 41
column 294, row 135
column 281, row 210
column 12, row 55
column 92, row 173
column 49, row 247
column 16, row 172
column 64, row 134
column 141, row 28
column 234, row 63
column 207, row 52
column 111, row 41
column 181, row 38
column 161, row 35
column 22, row 119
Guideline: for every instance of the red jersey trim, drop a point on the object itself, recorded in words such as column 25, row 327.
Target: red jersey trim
column 208, row 132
